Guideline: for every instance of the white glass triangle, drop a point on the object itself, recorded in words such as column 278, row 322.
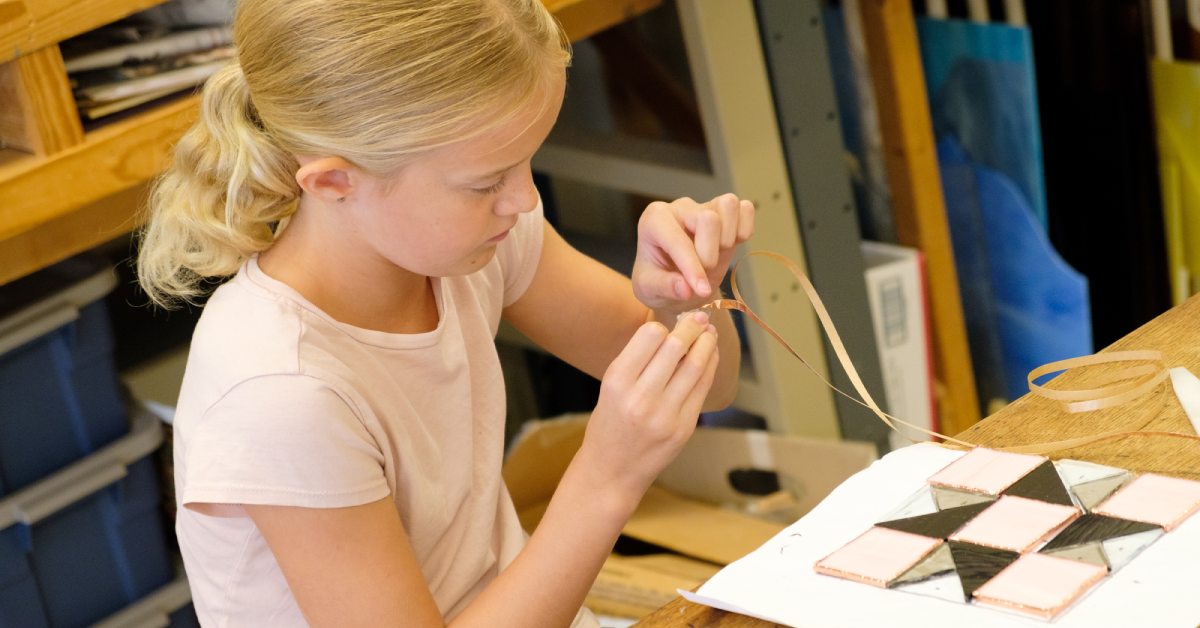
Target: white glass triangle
column 947, row 587
column 950, row 498
column 921, row 503
column 1076, row 471
column 1123, row 549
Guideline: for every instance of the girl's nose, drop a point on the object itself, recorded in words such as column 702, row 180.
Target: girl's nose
column 520, row 196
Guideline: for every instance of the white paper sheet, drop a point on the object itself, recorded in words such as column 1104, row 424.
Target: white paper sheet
column 777, row 583
column 1187, row 390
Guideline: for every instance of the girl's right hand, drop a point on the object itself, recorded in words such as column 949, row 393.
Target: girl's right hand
column 650, row 399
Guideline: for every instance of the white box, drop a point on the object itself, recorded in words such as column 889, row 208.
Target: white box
column 895, row 289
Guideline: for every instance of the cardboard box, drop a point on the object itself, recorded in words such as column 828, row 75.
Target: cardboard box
column 693, row 511
column 895, row 291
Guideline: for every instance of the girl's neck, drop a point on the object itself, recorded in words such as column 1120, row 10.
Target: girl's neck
column 350, row 282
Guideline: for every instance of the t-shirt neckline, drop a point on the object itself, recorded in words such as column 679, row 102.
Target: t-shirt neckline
column 256, row 276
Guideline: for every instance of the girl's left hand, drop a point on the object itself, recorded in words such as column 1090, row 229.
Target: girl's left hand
column 684, row 250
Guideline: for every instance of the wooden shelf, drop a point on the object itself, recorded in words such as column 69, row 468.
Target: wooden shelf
column 30, row 25
column 65, row 199
column 111, row 159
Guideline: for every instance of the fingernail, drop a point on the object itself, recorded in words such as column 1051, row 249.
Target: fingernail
column 712, row 329
column 700, row 317
column 680, row 289
column 704, row 287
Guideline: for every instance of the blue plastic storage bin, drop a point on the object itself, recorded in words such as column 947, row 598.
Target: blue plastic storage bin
column 184, row 618
column 87, row 541
column 170, row 605
column 20, row 602
column 59, row 394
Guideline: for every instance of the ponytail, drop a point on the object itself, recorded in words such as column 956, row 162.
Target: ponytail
column 217, row 204
column 375, row 82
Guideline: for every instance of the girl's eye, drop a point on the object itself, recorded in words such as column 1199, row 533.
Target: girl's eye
column 491, row 189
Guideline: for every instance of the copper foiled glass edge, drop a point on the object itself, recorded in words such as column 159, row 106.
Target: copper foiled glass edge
column 1003, row 474
column 1118, row 503
column 847, row 575
column 1044, row 613
column 829, row 565
column 970, row 532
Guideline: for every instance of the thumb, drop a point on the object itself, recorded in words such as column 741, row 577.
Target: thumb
column 657, row 283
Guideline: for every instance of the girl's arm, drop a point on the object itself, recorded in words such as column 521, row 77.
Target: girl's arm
column 584, row 312
column 355, row 566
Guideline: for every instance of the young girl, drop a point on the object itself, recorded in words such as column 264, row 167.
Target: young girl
column 363, row 172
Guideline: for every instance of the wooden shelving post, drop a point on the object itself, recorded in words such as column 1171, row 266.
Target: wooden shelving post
column 916, row 187
column 44, row 120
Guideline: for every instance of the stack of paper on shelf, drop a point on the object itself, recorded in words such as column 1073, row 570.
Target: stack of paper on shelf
column 896, row 292
column 115, row 69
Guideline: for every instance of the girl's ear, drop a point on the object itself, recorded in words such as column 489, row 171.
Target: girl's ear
column 330, row 179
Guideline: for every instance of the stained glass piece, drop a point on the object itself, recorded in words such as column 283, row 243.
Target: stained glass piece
column 1157, row 499
column 1123, row 549
column 985, row 471
column 947, row 498
column 1040, row 585
column 976, row 564
column 1093, row 527
column 877, row 556
column 938, row 562
column 921, row 503
column 1088, row 553
column 1090, row 494
column 1016, row 524
column 947, row 587
column 1077, row 471
column 1043, row 484
column 938, row 525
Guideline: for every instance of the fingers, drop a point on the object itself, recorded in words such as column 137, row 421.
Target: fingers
column 696, row 391
column 652, row 354
column 718, row 225
column 707, row 229
column 632, row 361
column 745, row 221
column 682, row 251
column 692, row 369
column 674, row 348
column 665, row 283
column 728, row 208
column 687, row 244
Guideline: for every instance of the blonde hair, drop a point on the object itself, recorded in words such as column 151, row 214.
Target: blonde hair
column 376, row 82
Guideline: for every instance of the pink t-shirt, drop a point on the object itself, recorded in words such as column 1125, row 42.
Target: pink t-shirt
column 283, row 405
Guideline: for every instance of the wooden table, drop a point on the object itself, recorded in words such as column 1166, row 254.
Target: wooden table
column 1033, row 419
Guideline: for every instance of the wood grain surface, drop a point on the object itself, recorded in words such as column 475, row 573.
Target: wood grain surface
column 44, row 119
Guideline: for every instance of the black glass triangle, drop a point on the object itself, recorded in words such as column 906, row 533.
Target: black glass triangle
column 1093, row 527
column 976, row 564
column 938, row 525
column 1043, row 484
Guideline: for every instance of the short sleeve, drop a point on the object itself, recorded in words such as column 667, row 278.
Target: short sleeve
column 282, row 440
column 520, row 253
